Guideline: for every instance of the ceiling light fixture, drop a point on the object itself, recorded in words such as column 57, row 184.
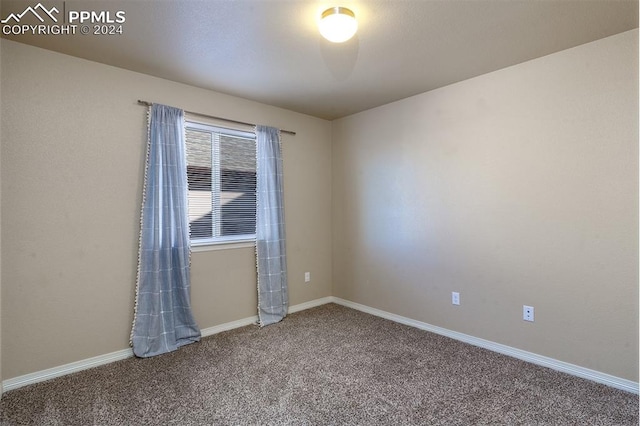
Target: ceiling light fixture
column 338, row 24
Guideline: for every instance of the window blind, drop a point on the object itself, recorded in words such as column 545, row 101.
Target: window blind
column 221, row 171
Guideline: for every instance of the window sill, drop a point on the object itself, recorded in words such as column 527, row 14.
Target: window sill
column 223, row 246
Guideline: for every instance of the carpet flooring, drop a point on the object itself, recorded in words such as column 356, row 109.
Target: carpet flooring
column 328, row 365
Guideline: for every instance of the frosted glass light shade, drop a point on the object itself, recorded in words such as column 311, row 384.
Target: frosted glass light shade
column 338, row 24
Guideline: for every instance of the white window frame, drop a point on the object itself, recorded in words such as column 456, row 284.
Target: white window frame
column 223, row 242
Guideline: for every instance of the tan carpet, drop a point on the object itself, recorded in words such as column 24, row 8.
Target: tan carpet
column 325, row 366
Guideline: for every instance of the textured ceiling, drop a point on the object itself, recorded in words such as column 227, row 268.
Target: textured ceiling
column 271, row 51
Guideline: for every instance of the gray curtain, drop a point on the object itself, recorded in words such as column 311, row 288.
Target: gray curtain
column 163, row 320
column 273, row 299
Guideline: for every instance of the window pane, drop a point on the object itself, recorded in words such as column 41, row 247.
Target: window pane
column 238, row 185
column 221, row 169
column 198, row 148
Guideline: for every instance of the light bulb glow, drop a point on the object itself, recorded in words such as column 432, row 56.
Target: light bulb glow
column 338, row 24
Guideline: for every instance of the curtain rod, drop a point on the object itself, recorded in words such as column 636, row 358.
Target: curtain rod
column 289, row 132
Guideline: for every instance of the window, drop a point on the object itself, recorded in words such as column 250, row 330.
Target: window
column 221, row 170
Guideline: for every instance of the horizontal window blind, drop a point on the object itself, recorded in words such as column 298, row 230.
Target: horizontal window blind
column 221, row 170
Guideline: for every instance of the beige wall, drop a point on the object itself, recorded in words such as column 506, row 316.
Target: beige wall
column 516, row 187
column 1, row 389
column 72, row 163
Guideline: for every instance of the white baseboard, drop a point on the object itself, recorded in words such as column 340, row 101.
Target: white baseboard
column 210, row 331
column 63, row 370
column 565, row 367
column 310, row 304
column 51, row 373
column 575, row 370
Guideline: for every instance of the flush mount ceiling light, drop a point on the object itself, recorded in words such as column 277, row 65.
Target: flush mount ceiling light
column 338, row 24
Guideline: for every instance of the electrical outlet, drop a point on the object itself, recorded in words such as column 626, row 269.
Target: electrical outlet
column 455, row 298
column 527, row 313
column 307, row 277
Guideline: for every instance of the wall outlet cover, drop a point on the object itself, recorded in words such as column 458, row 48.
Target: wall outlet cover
column 527, row 313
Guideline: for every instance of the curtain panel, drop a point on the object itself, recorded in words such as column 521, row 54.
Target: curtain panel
column 163, row 320
column 273, row 299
